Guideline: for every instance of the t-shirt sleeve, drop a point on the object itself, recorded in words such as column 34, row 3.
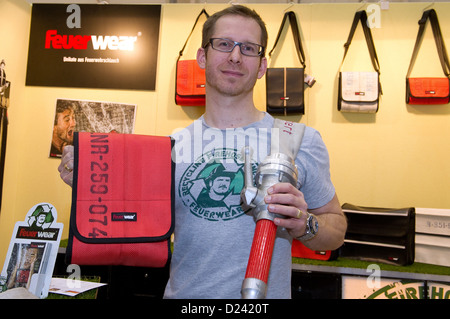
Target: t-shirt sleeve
column 313, row 164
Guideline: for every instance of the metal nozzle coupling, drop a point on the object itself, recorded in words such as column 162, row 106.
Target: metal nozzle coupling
column 275, row 168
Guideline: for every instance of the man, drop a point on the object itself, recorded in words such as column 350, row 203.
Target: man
column 41, row 218
column 4, row 84
column 25, row 258
column 211, row 247
column 217, row 188
column 2, row 74
column 63, row 127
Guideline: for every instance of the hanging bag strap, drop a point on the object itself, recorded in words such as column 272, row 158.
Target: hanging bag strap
column 192, row 30
column 3, row 134
column 290, row 17
column 442, row 51
column 362, row 16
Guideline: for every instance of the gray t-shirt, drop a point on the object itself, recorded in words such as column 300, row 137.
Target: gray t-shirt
column 213, row 235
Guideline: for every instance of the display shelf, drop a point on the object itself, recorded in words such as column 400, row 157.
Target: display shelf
column 345, row 266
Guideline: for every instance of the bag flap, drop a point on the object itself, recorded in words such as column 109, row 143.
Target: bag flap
column 284, row 87
column 275, row 80
column 122, row 189
column 190, row 78
column 429, row 87
column 295, row 86
column 383, row 222
column 359, row 86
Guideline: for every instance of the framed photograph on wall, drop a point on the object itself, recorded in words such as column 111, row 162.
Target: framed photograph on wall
column 88, row 116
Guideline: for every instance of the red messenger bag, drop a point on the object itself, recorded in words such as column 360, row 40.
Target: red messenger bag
column 429, row 90
column 190, row 79
column 122, row 200
column 301, row 251
column 190, row 84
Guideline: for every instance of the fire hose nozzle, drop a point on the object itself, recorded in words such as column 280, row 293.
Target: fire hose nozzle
column 274, row 169
column 253, row 288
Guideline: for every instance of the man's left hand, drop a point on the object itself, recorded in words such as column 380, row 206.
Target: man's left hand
column 285, row 199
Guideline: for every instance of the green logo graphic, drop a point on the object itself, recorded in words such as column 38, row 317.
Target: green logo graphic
column 404, row 289
column 211, row 186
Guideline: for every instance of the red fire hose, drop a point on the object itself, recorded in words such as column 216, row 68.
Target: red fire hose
column 255, row 283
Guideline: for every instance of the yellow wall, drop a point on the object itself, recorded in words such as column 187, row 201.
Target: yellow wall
column 397, row 157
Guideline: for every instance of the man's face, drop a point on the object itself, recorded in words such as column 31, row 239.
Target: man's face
column 29, row 258
column 65, row 126
column 221, row 184
column 41, row 219
column 232, row 73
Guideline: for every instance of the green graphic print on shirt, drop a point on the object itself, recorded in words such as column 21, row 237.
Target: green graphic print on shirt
column 211, row 186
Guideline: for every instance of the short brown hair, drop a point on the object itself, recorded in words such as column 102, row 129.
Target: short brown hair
column 208, row 26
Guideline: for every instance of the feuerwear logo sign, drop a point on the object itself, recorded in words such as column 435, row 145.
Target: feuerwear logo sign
column 32, row 251
column 53, row 40
column 94, row 46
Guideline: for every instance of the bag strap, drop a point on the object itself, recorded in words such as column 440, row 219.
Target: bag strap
column 295, row 32
column 192, row 30
column 362, row 16
column 3, row 134
column 442, row 51
column 290, row 136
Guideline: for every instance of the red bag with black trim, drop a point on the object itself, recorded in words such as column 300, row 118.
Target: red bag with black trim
column 190, row 79
column 122, row 200
column 190, row 84
column 429, row 90
column 301, row 251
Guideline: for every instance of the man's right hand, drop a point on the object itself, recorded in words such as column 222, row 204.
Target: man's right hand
column 66, row 167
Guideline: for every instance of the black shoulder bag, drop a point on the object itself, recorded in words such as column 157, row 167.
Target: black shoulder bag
column 285, row 86
column 379, row 234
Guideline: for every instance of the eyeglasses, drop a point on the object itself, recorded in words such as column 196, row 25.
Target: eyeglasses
column 227, row 45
